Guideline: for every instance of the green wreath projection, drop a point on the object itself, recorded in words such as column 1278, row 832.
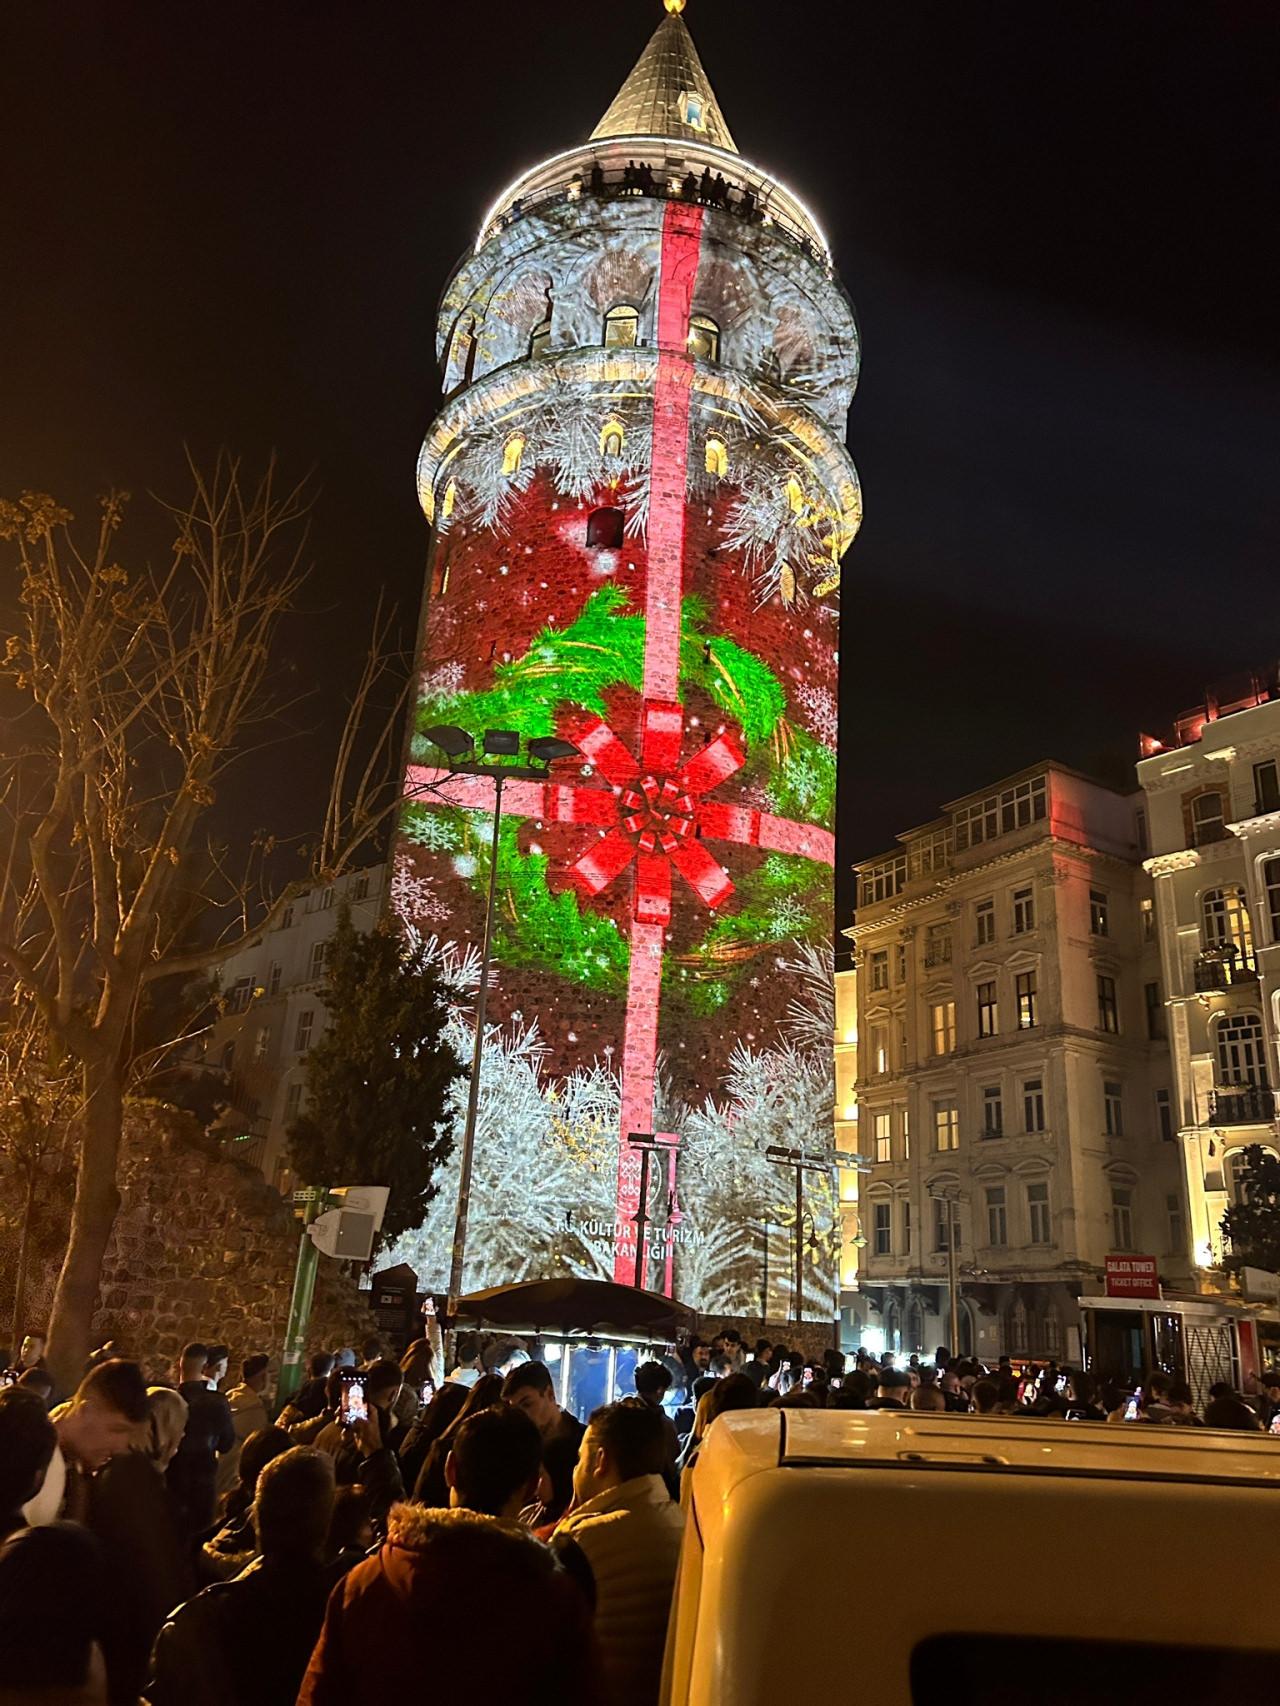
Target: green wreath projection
column 602, row 650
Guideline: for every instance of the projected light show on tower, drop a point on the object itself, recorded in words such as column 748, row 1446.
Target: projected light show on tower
column 640, row 498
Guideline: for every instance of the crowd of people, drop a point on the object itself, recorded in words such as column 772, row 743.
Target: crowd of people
column 194, row 1542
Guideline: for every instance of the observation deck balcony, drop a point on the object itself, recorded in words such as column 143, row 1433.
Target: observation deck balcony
column 664, row 166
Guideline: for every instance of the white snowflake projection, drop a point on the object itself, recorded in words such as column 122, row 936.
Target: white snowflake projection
column 821, row 712
column 415, row 896
column 810, row 1020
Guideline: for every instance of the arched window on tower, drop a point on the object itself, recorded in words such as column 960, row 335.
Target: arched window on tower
column 704, row 338
column 692, row 111
column 717, row 458
column 787, row 583
column 1227, row 926
column 622, row 326
column 450, row 498
column 604, row 530
column 512, row 453
column 540, row 338
column 612, row 438
column 1241, row 1051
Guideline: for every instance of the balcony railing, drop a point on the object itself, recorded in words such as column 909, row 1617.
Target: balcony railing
column 1214, row 970
column 1250, row 1105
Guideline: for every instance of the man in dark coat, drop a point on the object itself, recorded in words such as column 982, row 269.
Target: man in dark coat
column 210, row 1431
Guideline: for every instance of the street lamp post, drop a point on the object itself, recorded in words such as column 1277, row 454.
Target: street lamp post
column 810, row 1161
column 458, row 746
column 656, row 1144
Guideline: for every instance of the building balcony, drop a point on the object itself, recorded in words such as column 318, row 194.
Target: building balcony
column 1249, row 1105
column 1218, row 968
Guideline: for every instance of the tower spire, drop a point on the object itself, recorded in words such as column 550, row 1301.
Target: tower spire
column 668, row 93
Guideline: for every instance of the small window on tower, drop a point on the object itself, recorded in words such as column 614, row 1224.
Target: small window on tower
column 450, row 498
column 692, row 111
column 604, row 529
column 787, row 583
column 704, row 338
column 622, row 326
column 717, row 458
column 540, row 338
column 612, row 439
column 512, row 452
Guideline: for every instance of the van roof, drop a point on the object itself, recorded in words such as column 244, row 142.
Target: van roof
column 746, row 1443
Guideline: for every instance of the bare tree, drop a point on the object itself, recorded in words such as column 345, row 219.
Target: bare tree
column 136, row 689
column 37, row 1102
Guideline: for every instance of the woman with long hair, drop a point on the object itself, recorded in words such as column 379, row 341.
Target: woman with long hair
column 434, row 1419
column 431, row 1488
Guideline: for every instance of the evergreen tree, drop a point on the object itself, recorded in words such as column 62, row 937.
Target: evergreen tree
column 378, row 1079
column 1252, row 1225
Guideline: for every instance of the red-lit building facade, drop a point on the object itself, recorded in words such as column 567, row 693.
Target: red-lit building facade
column 640, row 499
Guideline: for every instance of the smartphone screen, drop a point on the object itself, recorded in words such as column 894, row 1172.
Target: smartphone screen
column 353, row 1406
column 1131, row 1409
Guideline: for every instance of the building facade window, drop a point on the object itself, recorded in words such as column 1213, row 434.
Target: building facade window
column 997, row 1218
column 878, row 1039
column 945, row 1219
column 1266, row 787
column 1147, row 914
column 1155, row 1012
column 937, row 946
column 1099, row 913
column 883, row 1225
column 319, row 954
column 906, row 1226
column 878, row 965
column 302, row 1036
column 360, row 891
column 942, row 1020
column 293, row 1101
column 1024, row 911
column 1108, row 1010
column 1227, row 925
column 946, row 1126
column 1113, row 1108
column 716, row 459
column 988, row 1012
column 882, row 1127
column 999, row 814
column 1024, row 989
column 1241, row 1050
column 286, row 917
column 883, row 880
column 1164, row 1116
column 906, row 1134
column 273, row 978
column 1122, row 1217
column 606, row 529
column 1033, row 1104
column 262, row 1042
column 1271, row 888
column 622, row 326
column 1207, row 819
column 984, row 922
column 900, row 962
column 1038, row 1221
column 992, row 1111
column 704, row 338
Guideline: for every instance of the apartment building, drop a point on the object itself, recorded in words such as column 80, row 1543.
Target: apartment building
column 1013, row 1080
column 272, row 1015
column 1212, row 787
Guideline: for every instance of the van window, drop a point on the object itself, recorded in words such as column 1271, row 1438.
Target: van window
column 992, row 1670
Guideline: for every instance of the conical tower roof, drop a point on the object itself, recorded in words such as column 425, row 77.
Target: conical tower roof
column 667, row 93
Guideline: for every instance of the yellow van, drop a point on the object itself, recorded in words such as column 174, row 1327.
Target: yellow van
column 918, row 1557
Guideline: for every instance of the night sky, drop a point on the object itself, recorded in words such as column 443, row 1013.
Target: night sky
column 230, row 225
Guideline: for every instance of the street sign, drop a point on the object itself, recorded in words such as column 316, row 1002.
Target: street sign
column 349, row 1230
column 1132, row 1276
column 1258, row 1284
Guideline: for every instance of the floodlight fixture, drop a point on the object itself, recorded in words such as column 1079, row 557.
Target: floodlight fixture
column 453, row 742
column 502, row 743
column 547, row 748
